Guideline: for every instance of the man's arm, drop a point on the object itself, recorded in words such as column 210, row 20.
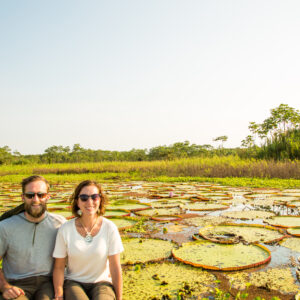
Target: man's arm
column 8, row 291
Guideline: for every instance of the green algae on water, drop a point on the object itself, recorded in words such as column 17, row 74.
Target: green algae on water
column 140, row 250
column 147, row 283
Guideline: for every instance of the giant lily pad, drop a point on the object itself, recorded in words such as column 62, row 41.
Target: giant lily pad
column 205, row 220
column 138, row 250
column 168, row 203
column 159, row 212
column 123, row 223
column 294, row 231
column 291, row 243
column 248, row 214
column 65, row 213
column 156, row 281
column 204, row 206
column 284, row 221
column 128, row 205
column 224, row 257
column 116, row 213
column 241, row 232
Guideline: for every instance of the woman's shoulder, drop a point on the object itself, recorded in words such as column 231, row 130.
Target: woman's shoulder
column 68, row 225
column 109, row 224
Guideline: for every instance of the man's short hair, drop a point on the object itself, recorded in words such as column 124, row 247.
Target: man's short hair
column 33, row 178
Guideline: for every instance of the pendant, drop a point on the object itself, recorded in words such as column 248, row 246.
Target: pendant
column 88, row 238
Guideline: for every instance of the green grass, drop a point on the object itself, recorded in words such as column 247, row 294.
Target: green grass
column 228, row 181
column 213, row 167
column 227, row 170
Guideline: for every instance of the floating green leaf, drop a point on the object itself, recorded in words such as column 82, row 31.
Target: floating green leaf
column 220, row 256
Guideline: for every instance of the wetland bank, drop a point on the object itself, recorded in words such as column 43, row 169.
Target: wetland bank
column 195, row 239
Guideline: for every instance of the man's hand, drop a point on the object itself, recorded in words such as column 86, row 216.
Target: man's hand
column 12, row 292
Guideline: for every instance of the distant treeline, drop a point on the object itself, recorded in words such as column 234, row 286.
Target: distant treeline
column 61, row 154
column 279, row 137
column 285, row 147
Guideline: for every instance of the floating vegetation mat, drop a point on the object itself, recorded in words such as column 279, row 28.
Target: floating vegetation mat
column 247, row 233
column 123, row 223
column 294, row 231
column 204, row 206
column 140, row 250
column 291, row 243
column 284, row 221
column 248, row 214
column 214, row 256
column 165, row 281
column 277, row 279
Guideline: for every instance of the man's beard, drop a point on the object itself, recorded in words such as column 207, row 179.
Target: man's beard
column 34, row 212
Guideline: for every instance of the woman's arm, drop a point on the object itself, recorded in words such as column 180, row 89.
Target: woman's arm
column 116, row 274
column 58, row 277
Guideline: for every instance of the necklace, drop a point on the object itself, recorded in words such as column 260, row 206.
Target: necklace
column 88, row 238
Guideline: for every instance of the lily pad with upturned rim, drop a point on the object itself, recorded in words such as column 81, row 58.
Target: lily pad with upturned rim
column 128, row 205
column 248, row 214
column 204, row 206
column 159, row 212
column 116, row 213
column 291, row 243
column 284, row 221
column 295, row 231
column 222, row 257
column 249, row 233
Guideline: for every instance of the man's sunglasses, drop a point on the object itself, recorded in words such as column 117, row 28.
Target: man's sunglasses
column 85, row 197
column 31, row 195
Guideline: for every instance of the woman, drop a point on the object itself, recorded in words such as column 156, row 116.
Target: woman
column 90, row 246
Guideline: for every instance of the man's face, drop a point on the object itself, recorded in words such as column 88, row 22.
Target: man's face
column 35, row 198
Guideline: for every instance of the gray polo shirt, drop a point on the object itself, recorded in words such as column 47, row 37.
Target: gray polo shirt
column 27, row 247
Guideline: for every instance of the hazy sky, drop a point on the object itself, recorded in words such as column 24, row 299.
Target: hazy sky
column 117, row 75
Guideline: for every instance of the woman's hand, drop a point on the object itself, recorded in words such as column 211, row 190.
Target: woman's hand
column 116, row 274
column 58, row 278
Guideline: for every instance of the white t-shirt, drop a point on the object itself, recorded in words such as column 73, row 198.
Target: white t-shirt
column 88, row 262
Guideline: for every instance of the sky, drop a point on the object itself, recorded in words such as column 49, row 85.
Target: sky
column 118, row 75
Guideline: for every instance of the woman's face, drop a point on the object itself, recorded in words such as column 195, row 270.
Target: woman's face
column 90, row 206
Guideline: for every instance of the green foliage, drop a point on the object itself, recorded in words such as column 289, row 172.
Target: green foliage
column 222, row 139
column 280, row 135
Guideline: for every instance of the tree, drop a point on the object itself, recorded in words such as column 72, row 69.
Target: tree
column 56, row 154
column 282, row 119
column 5, row 155
column 279, row 134
column 222, row 139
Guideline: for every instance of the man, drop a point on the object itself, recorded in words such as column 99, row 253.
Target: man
column 26, row 244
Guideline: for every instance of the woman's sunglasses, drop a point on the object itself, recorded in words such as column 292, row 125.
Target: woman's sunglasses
column 31, row 195
column 85, row 197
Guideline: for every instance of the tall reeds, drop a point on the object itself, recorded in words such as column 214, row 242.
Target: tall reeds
column 229, row 166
